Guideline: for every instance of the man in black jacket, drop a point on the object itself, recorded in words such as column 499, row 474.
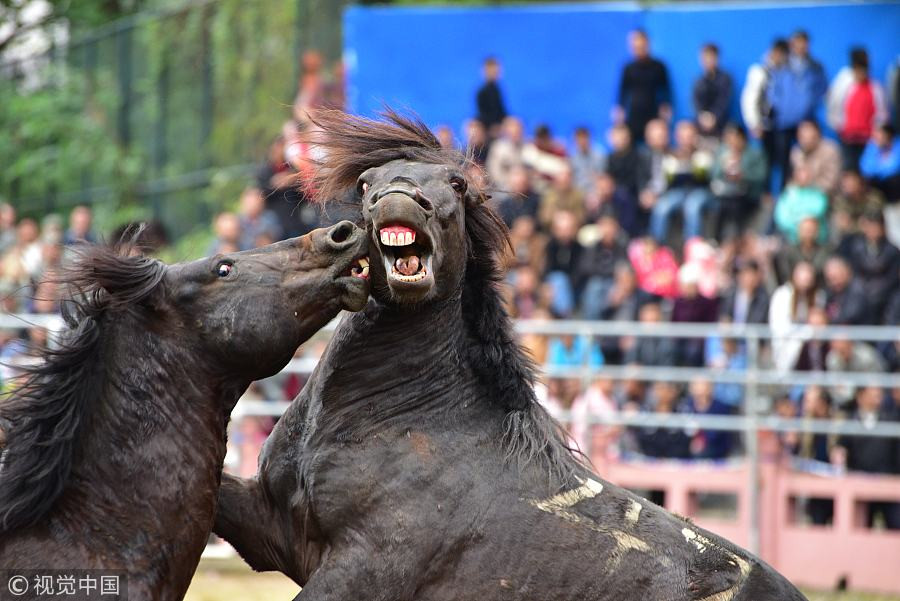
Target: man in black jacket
column 845, row 298
column 644, row 91
column 489, row 100
column 875, row 261
column 712, row 93
column 747, row 301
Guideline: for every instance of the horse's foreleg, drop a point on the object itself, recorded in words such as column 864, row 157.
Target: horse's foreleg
column 250, row 523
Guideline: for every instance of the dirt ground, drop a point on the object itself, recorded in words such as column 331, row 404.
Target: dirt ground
column 232, row 580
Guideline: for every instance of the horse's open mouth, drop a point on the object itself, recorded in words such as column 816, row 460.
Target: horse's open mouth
column 406, row 255
column 358, row 269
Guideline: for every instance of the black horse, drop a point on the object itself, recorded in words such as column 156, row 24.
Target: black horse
column 416, row 463
column 116, row 440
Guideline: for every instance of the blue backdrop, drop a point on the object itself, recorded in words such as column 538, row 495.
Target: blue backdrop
column 561, row 63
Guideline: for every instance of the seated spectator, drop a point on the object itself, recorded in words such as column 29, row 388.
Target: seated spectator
column 814, row 353
column 624, row 162
column 686, row 170
column 855, row 105
column 849, row 356
column 544, row 156
column 607, row 197
column 807, row 248
column 505, row 154
column 788, row 310
column 820, row 156
column 738, row 177
column 874, row 455
column 563, row 255
column 854, row 198
column 651, row 177
column 561, row 196
column 587, row 161
column 7, row 226
column 80, row 220
column 257, row 221
column 815, row 447
column 891, row 350
column 227, row 228
column 654, row 266
column 593, row 439
column 525, row 300
column 528, row 245
column 880, row 162
column 712, row 93
column 708, row 444
column 845, row 297
column 622, row 304
column 691, row 307
column 574, row 351
column 747, row 301
column 519, row 199
column 649, row 350
column 875, row 261
column 477, row 141
column 727, row 354
column 664, row 443
column 597, row 265
column 800, row 200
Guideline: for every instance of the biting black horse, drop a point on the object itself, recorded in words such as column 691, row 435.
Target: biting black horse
column 115, row 442
column 416, row 463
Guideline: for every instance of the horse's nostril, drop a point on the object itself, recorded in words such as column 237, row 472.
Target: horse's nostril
column 341, row 232
column 423, row 202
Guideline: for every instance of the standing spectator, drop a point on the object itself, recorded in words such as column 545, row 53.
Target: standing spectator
column 758, row 110
column 519, row 200
column 489, row 100
column 875, row 261
column 747, row 301
column 738, row 177
column 820, row 156
column 505, row 153
column 257, row 222
column 845, row 296
column 80, row 220
column 874, row 455
column 855, row 106
column 808, row 248
column 880, row 162
column 587, row 161
column 854, row 198
column 597, row 267
column 562, row 196
column 563, row 255
column 812, row 83
column 687, row 171
column 789, row 309
column 712, row 93
column 800, row 200
column 624, row 161
column 644, row 91
column 662, row 442
column 708, row 444
column 692, row 307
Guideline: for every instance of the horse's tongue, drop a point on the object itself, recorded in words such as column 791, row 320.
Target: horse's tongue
column 407, row 265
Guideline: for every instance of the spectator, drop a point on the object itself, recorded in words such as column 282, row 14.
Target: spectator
column 489, row 100
column 544, row 156
column 708, row 444
column 727, row 354
column 755, row 106
column 562, row 196
column 279, row 184
column 849, row 356
column 525, row 302
column 574, row 351
column 874, row 455
column 650, row 350
column 800, row 200
column 597, row 266
column 654, row 266
column 814, row 352
column 855, row 106
column 880, row 162
column 256, row 220
column 854, row 198
column 808, row 247
column 587, row 161
column 874, row 260
column 310, row 89
column 528, row 245
column 476, row 141
column 691, row 307
column 812, row 83
column 788, row 310
column 80, row 220
column 624, row 161
column 227, row 228
column 818, row 155
column 651, row 175
column 662, row 442
column 621, row 304
column 712, row 93
column 520, row 200
column 445, row 137
column 747, row 301
column 816, row 447
column 563, row 255
column 644, row 92
column 845, row 296
column 598, row 401
column 608, row 198
column 687, row 170
column 7, row 226
column 505, row 153
column 738, row 177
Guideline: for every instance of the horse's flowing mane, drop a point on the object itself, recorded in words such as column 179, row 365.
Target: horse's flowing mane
column 354, row 144
column 45, row 415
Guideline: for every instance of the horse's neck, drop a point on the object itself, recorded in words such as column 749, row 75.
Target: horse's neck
column 408, row 360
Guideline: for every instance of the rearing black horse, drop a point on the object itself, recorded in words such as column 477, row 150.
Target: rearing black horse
column 416, row 463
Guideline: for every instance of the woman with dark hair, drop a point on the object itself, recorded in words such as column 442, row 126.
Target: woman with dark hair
column 789, row 310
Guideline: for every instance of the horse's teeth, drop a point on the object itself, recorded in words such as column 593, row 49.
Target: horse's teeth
column 364, row 262
column 402, row 238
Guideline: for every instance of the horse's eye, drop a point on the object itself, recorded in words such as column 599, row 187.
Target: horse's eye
column 459, row 185
column 224, row 270
column 362, row 187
